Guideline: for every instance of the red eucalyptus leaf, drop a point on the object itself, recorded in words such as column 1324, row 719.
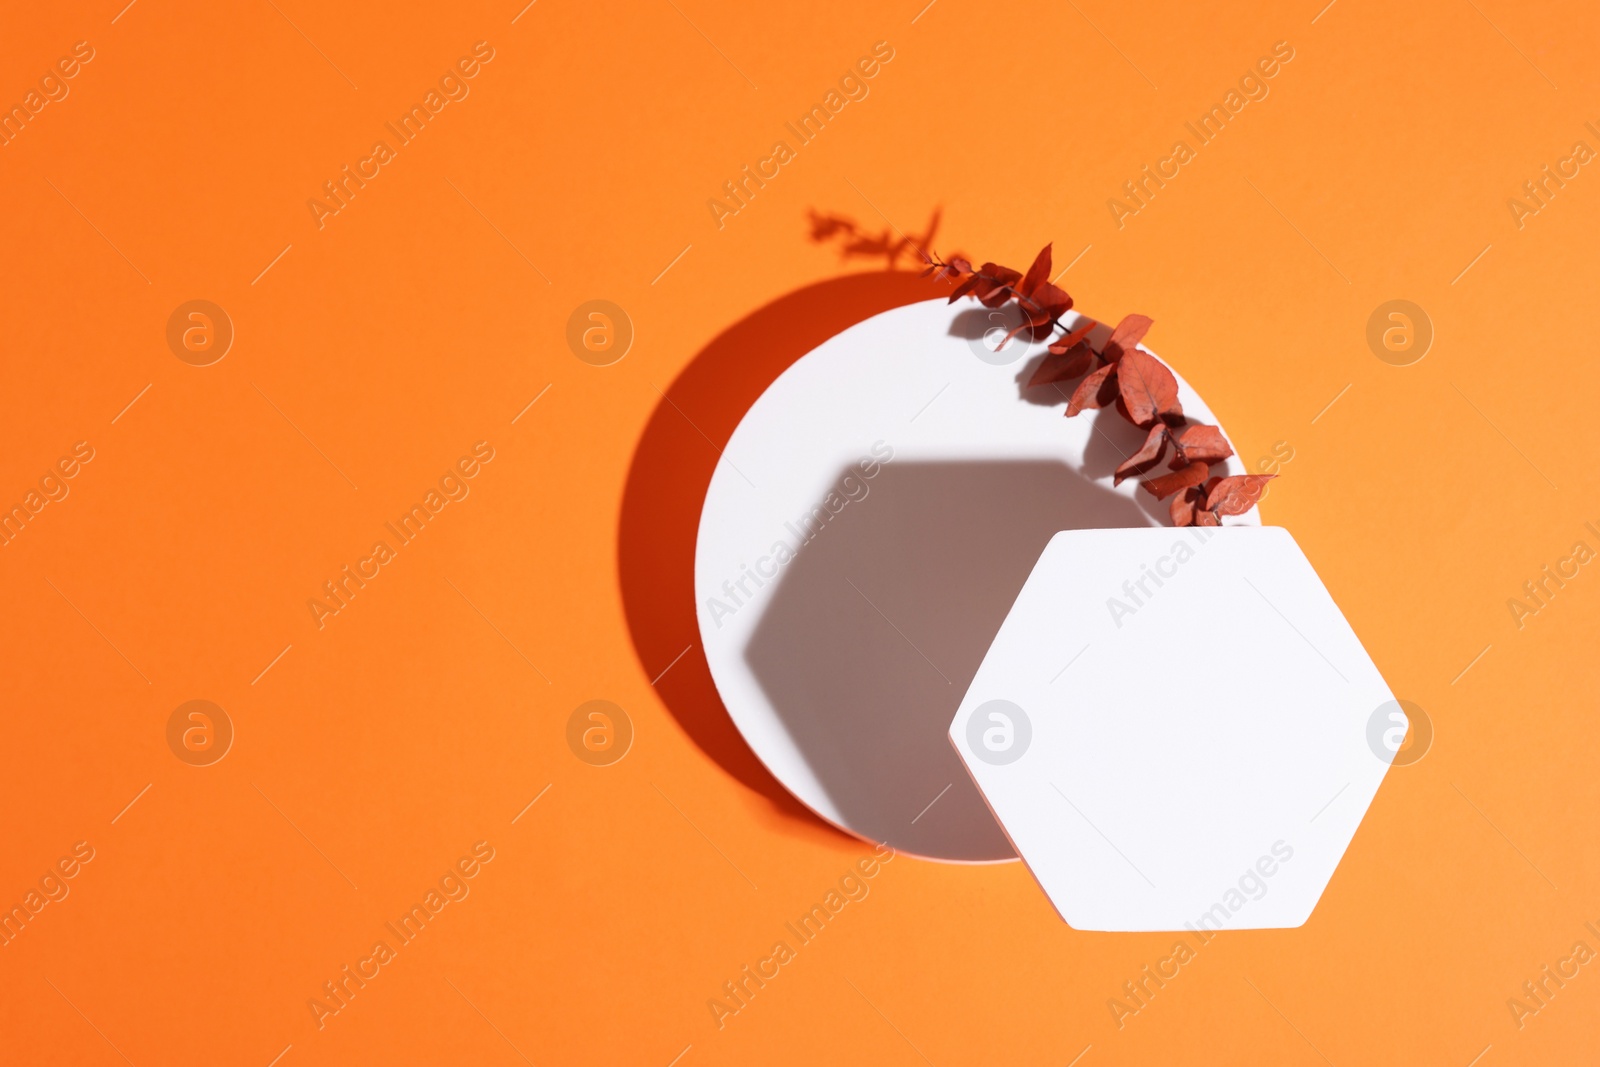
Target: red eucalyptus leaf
column 1074, row 338
column 1128, row 333
column 968, row 286
column 990, row 287
column 1054, row 300
column 1202, row 442
column 1038, row 273
column 1237, row 494
column 1202, row 517
column 996, row 296
column 961, row 263
column 1148, row 388
column 1059, row 366
column 1149, row 454
column 1037, row 318
column 1012, row 333
column 1095, row 391
column 1167, row 484
column 1184, row 506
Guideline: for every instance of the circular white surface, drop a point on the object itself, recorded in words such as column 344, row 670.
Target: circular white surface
column 872, row 518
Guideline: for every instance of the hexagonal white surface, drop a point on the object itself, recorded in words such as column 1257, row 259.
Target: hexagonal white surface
column 1171, row 726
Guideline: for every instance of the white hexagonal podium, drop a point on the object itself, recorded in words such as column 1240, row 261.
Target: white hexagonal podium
column 1171, row 727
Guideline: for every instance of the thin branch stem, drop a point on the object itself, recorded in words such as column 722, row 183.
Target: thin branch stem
column 1049, row 327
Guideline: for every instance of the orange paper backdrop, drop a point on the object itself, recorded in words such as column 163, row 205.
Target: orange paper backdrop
column 383, row 349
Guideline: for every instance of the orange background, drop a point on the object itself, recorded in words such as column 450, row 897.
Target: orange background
column 424, row 718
